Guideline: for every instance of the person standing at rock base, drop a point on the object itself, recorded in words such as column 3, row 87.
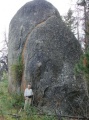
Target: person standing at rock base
column 28, row 94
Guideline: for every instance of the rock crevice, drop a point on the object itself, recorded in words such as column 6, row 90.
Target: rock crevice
column 26, row 41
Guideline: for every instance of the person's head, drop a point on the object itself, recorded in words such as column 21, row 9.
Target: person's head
column 29, row 86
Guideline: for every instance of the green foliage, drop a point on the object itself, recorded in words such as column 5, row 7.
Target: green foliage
column 49, row 117
column 31, row 110
column 83, row 65
column 17, row 100
column 4, row 102
column 5, row 76
column 17, row 69
column 70, row 20
column 11, row 104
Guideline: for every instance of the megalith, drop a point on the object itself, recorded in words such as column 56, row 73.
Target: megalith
column 45, row 51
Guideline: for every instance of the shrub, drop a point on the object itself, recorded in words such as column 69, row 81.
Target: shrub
column 17, row 69
column 82, row 67
column 17, row 100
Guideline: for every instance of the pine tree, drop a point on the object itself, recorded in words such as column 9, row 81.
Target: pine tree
column 70, row 20
column 82, row 67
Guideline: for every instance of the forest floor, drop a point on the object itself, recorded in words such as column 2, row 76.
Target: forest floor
column 11, row 107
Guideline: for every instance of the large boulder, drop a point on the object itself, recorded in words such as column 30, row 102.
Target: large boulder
column 49, row 52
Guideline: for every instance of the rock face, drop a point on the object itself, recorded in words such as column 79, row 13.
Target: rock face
column 49, row 52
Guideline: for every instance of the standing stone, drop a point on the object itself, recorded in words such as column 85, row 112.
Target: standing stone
column 49, row 52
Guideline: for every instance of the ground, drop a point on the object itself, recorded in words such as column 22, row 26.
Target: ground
column 11, row 107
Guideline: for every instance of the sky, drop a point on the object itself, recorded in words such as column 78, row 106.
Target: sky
column 8, row 8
